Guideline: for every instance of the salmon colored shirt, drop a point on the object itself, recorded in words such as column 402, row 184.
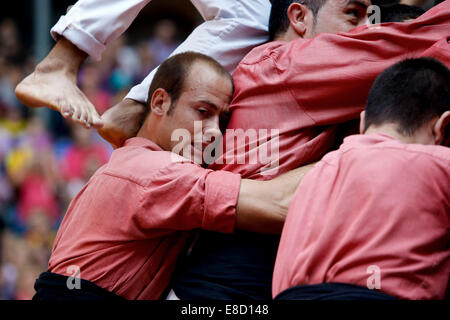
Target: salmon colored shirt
column 303, row 88
column 374, row 203
column 127, row 226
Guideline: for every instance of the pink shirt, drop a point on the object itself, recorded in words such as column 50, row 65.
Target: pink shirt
column 374, row 202
column 127, row 226
column 304, row 88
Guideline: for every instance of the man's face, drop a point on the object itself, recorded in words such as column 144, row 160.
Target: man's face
column 339, row 16
column 204, row 102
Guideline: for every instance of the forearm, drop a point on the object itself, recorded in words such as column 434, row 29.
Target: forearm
column 263, row 205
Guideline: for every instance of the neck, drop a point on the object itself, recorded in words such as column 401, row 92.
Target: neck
column 287, row 36
column 392, row 131
column 148, row 131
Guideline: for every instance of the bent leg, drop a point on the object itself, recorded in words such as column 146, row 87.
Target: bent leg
column 54, row 84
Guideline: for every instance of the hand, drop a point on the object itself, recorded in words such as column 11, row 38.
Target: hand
column 122, row 122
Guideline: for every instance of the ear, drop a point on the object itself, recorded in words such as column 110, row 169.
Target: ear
column 160, row 102
column 362, row 122
column 298, row 18
column 440, row 126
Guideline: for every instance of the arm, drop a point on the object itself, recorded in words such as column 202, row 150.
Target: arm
column 263, row 205
column 342, row 67
column 186, row 196
column 231, row 30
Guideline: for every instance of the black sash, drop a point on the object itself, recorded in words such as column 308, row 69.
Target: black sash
column 53, row 286
column 332, row 291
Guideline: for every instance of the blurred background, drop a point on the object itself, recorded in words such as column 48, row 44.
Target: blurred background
column 45, row 160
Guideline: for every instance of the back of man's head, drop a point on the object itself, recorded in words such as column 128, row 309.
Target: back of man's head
column 409, row 94
column 279, row 21
column 399, row 13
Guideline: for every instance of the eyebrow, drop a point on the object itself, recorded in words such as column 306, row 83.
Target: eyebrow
column 210, row 104
column 362, row 3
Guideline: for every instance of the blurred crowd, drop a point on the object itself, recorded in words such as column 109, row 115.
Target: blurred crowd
column 46, row 160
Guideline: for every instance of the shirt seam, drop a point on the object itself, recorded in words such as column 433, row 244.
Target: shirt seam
column 289, row 87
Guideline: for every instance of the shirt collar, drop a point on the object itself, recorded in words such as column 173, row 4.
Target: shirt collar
column 369, row 139
column 142, row 142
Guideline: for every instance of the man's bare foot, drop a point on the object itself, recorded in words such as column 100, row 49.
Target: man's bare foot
column 54, row 84
column 122, row 122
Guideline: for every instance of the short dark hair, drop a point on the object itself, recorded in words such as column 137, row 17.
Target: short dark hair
column 399, row 12
column 172, row 73
column 409, row 94
column 279, row 21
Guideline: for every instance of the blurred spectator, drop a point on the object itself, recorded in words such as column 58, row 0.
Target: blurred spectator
column 90, row 84
column 127, row 66
column 81, row 160
column 31, row 168
column 44, row 159
column 10, row 46
column 147, row 58
column 164, row 40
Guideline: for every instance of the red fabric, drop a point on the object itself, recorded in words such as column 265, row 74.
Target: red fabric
column 127, row 226
column 37, row 194
column 374, row 202
column 304, row 88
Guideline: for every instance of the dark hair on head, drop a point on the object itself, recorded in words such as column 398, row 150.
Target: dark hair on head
column 173, row 72
column 279, row 21
column 409, row 94
column 399, row 12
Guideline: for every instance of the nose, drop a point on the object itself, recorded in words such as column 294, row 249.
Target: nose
column 212, row 131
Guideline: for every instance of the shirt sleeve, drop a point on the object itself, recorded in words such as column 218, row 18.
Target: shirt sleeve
column 186, row 196
column 330, row 76
column 92, row 24
column 232, row 28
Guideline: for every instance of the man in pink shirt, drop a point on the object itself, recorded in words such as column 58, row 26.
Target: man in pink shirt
column 124, row 231
column 371, row 219
column 300, row 89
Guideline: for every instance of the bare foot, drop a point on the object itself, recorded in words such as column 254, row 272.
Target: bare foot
column 122, row 122
column 54, row 84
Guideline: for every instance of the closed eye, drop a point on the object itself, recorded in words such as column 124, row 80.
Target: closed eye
column 203, row 111
column 354, row 13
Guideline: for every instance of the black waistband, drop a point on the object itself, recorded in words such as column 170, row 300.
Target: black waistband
column 332, row 291
column 238, row 266
column 53, row 286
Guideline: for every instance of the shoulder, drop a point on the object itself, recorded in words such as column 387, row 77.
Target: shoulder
column 261, row 53
column 143, row 165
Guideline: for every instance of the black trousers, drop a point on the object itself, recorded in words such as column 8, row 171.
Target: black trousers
column 332, row 291
column 52, row 286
